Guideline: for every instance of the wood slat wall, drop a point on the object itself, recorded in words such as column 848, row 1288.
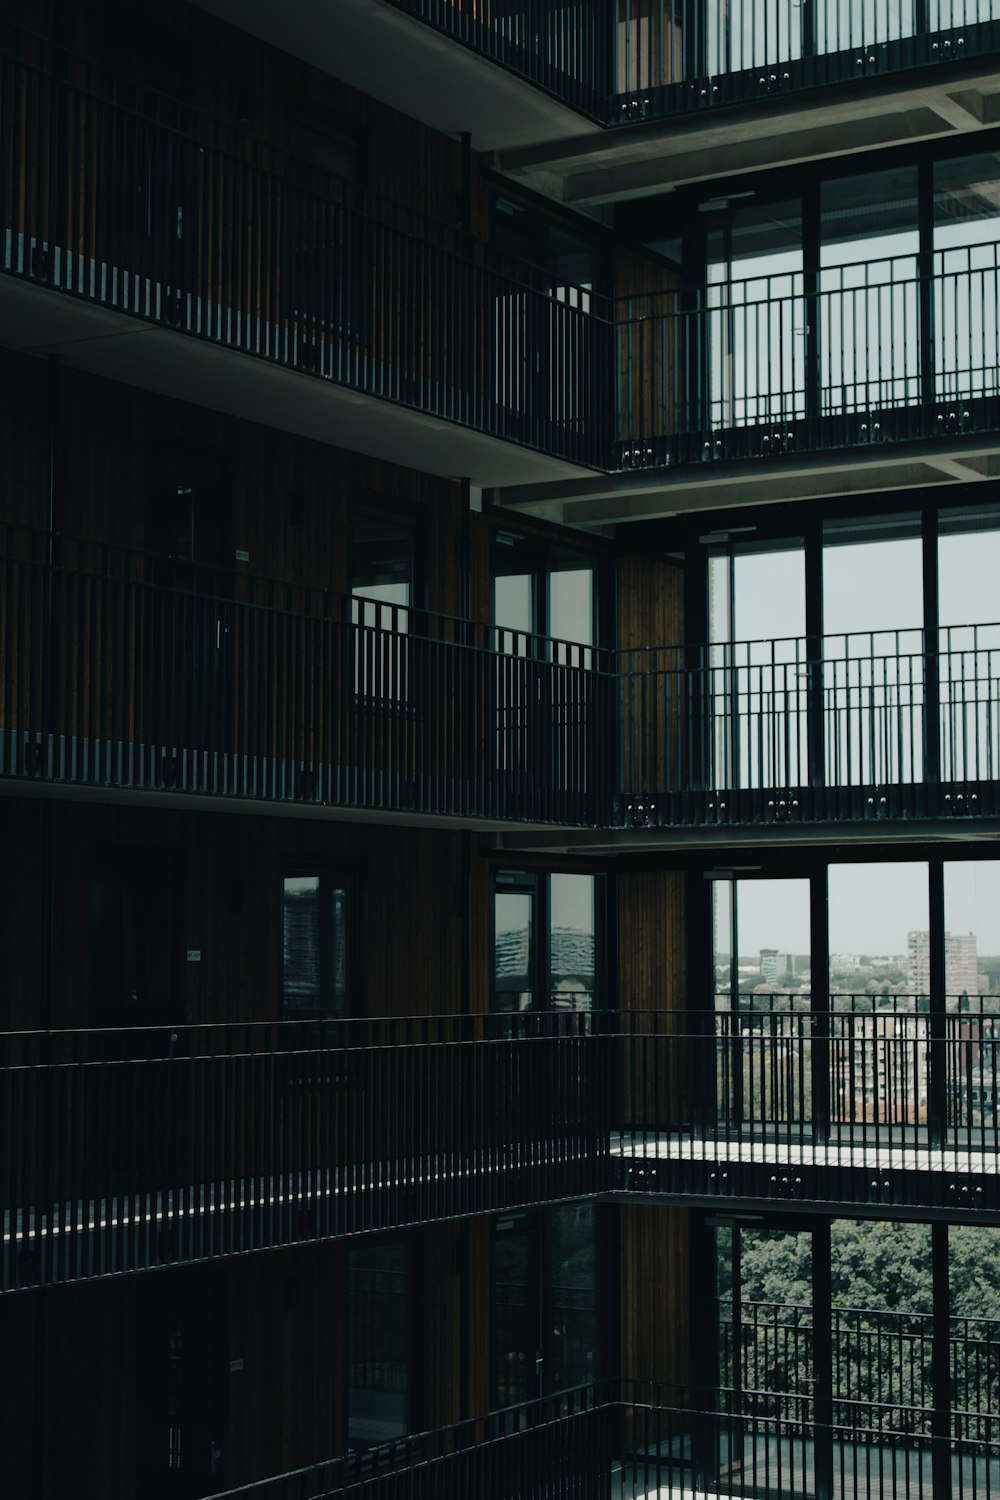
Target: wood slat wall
column 655, row 1321
column 276, row 1352
column 233, row 864
column 650, row 347
column 651, row 631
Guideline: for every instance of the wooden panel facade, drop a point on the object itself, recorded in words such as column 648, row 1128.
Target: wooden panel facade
column 249, row 1355
column 652, row 908
column 654, row 692
column 651, row 343
column 656, row 1327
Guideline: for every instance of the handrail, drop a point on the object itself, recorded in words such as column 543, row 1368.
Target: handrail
column 623, row 61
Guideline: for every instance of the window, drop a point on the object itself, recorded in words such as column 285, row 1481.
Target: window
column 383, row 588
column 545, row 1315
column 318, row 920
column 379, row 1309
column 545, row 941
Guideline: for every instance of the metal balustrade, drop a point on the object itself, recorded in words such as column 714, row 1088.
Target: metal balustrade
column 121, row 669
column 128, row 200
column 366, row 293
column 846, row 728
column 637, row 1440
column 867, row 354
column 763, row 1096
column 622, row 61
column 250, row 1136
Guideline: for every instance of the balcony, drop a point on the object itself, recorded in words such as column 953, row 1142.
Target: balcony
column 120, row 670
column 635, row 1440
column 867, row 728
column 281, row 1133
column 871, row 1102
column 249, row 1137
column 254, row 283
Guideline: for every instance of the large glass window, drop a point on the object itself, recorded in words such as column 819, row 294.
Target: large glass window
column 317, row 922
column 383, row 587
column 545, row 937
column 756, row 318
column 757, row 614
column 869, row 312
column 378, row 1343
column 966, row 272
column 873, row 667
column 545, row 1309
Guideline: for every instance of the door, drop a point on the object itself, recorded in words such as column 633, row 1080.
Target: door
column 182, row 1370
column 767, row 1368
column 544, row 618
column 188, row 612
column 545, row 1303
column 136, row 936
column 149, row 168
column 134, row 1071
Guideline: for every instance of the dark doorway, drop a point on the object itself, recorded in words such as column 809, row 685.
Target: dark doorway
column 136, row 936
column 187, row 619
column 181, row 1418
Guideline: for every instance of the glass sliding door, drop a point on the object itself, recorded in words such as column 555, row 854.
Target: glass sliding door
column 757, row 669
column 966, row 276
column 766, row 1354
column 879, row 968
column 873, row 669
column 764, row 1048
column 755, row 315
column 972, row 1003
column 969, row 654
column 869, row 297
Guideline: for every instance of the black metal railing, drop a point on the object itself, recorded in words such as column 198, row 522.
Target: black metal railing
column 874, row 352
column 872, row 725
column 676, row 56
column 880, row 1360
column 562, row 49
column 633, row 1440
column 245, row 1137
column 872, row 1085
column 621, row 61
column 135, row 203
column 122, row 669
column 131, row 201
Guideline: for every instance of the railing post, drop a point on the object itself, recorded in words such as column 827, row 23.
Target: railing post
column 931, row 776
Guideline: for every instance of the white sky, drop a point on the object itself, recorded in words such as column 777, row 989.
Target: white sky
column 872, row 908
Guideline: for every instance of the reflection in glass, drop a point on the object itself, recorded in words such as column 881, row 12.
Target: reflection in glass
column 573, row 1276
column 515, row 1310
column 314, row 947
column 378, row 1344
column 571, row 942
column 513, row 955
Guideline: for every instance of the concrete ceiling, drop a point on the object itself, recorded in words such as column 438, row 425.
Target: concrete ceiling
column 408, row 65
column 37, row 320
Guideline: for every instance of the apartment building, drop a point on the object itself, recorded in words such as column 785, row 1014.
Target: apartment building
column 499, row 519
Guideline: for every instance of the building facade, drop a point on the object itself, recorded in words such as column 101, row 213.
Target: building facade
column 499, row 520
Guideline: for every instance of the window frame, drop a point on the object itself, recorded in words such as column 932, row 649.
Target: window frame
column 349, row 876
